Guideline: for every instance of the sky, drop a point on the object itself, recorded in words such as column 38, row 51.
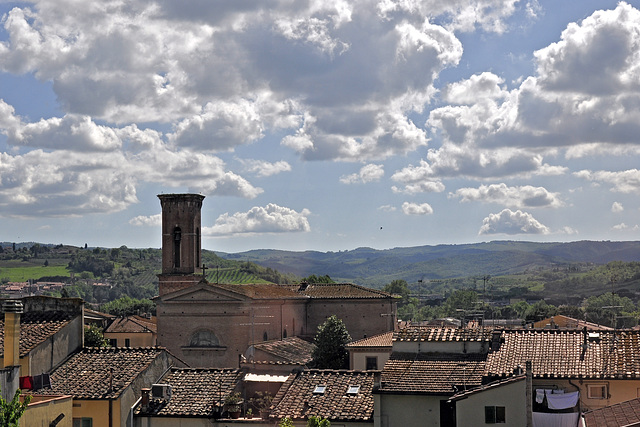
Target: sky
column 315, row 125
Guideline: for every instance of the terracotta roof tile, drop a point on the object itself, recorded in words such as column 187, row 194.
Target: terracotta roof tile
column 340, row 290
column 298, row 401
column 87, row 375
column 380, row 340
column 442, row 334
column 36, row 327
column 195, row 392
column 260, row 290
column 132, row 324
column 625, row 414
column 289, row 350
column 432, row 373
column 562, row 353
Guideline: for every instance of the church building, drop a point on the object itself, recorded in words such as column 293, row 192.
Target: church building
column 213, row 325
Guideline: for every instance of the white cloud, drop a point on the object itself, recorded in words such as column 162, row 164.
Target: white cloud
column 627, row 181
column 263, row 168
column 620, row 227
column 617, row 207
column 269, row 219
column 387, row 208
column 525, row 196
column 416, row 209
column 146, row 221
column 368, row 173
column 510, row 222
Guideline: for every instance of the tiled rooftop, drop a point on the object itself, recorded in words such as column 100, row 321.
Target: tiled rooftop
column 442, row 334
column 298, row 401
column 36, row 327
column 340, row 290
column 260, row 290
column 86, row 374
column 432, row 373
column 289, row 350
column 561, row 353
column 132, row 324
column 195, row 392
column 624, row 414
column 380, row 340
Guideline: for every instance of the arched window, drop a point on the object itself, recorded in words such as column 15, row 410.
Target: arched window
column 284, row 333
column 204, row 338
column 265, row 337
column 177, row 240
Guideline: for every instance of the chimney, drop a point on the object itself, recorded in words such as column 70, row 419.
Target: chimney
column 144, row 403
column 12, row 310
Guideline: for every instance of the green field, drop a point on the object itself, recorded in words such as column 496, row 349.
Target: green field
column 24, row 273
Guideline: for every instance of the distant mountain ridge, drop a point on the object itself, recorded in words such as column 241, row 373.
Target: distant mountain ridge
column 373, row 267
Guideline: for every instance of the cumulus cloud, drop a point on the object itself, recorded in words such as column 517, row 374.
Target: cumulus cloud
column 268, row 219
column 490, row 131
column 621, row 182
column 409, row 208
column 368, row 173
column 510, row 222
column 263, row 168
column 146, row 221
column 617, row 207
column 525, row 196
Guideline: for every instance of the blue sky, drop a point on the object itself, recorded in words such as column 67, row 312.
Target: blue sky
column 318, row 125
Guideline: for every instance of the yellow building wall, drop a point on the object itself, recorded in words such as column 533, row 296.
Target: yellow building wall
column 44, row 409
column 137, row 339
column 98, row 411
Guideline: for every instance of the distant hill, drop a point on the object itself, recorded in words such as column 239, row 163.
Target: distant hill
column 372, row 267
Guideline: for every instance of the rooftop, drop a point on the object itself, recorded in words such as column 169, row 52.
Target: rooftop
column 35, row 328
column 432, row 373
column 132, row 324
column 380, row 340
column 195, row 392
column 568, row 353
column 623, row 414
column 442, row 334
column 339, row 400
column 340, row 290
column 288, row 350
column 100, row 373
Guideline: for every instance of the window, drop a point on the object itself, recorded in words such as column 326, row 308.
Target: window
column 83, row 422
column 177, row 239
column 127, row 342
column 353, row 389
column 319, row 389
column 204, row 339
column 495, row 414
column 284, row 334
column 372, row 363
column 113, row 342
column 597, row 391
column 265, row 337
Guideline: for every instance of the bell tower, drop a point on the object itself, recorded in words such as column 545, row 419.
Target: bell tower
column 181, row 241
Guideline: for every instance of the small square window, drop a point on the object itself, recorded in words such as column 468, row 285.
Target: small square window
column 127, row 342
column 353, row 389
column 372, row 363
column 597, row 391
column 319, row 389
column 495, row 415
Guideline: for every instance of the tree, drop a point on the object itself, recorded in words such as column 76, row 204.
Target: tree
column 318, row 422
column 460, row 300
column 93, row 337
column 331, row 341
column 10, row 412
column 285, row 422
column 318, row 279
column 398, row 287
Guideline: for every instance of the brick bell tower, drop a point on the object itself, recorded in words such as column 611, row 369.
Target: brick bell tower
column 180, row 241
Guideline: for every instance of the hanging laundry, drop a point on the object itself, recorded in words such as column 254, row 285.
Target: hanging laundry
column 562, row 401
